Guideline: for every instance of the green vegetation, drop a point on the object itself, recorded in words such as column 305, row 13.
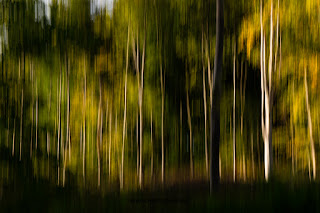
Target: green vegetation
column 99, row 98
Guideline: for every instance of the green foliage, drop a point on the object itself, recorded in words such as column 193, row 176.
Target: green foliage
column 87, row 47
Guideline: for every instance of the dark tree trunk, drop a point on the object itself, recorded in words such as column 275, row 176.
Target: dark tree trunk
column 215, row 109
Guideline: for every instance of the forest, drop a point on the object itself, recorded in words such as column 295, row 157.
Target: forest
column 166, row 105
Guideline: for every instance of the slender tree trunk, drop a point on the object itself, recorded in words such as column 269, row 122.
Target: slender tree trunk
column 252, row 157
column 204, row 106
column 32, row 109
column 13, row 134
column 62, row 158
column 19, row 76
column 110, row 131
column 266, row 93
column 137, row 133
column 49, row 113
column 98, row 146
column 8, row 128
column 277, row 44
column 241, row 97
column 244, row 167
column 59, row 117
column 125, row 111
column 68, row 108
column 67, row 144
column 131, row 136
column 162, row 136
column 106, row 134
column 270, row 91
column 151, row 146
column 240, row 169
column 181, row 141
column 101, row 141
column 80, row 142
column 24, row 67
column 67, row 79
column 84, row 125
column 92, row 140
column 312, row 149
column 242, row 93
column 162, row 85
column 258, row 149
column 2, row 58
column 292, row 133
column 215, row 111
column 98, row 130
column 219, row 165
column 234, row 115
column 140, row 77
column 141, row 141
column 64, row 161
column 37, row 114
column 190, row 131
column 309, row 170
column 21, row 120
column 262, row 77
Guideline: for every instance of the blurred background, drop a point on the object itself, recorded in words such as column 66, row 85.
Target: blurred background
column 113, row 95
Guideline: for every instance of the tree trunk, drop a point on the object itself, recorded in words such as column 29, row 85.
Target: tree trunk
column 141, row 140
column 258, row 149
column 92, row 140
column 140, row 76
column 266, row 94
column 80, row 141
column 106, row 135
column 21, row 120
column 59, row 115
column 32, row 111
column 204, row 106
column 242, row 93
column 67, row 144
column 292, row 147
column 13, row 134
column 100, row 142
column 8, row 128
column 277, row 44
column 162, row 85
column 125, row 110
column 190, row 139
column 63, row 157
column 241, row 98
column 215, row 111
column 110, row 131
column 37, row 114
column 244, row 167
column 313, row 155
column 234, row 115
column 68, row 111
column 49, row 113
column 252, row 157
column 181, row 141
column 84, row 123
column 98, row 130
column 137, row 128
column 162, row 136
column 270, row 92
column 151, row 147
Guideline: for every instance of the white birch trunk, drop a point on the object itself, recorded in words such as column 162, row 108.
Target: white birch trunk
column 312, row 149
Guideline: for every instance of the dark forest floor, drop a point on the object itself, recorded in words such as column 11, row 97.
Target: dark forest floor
column 193, row 197
column 24, row 193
